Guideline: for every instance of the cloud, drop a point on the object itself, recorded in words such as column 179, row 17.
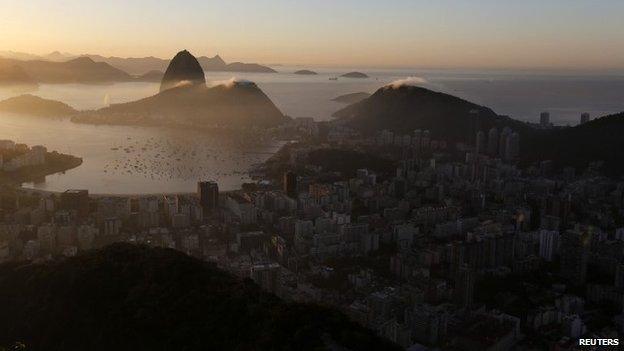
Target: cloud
column 183, row 83
column 409, row 81
column 228, row 83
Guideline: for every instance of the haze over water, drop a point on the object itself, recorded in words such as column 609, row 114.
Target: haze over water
column 151, row 160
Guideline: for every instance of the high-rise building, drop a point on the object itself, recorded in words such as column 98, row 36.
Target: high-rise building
column 584, row 117
column 208, row 193
column 480, row 142
column 574, row 254
column 76, row 200
column 512, row 146
column 493, row 142
column 545, row 119
column 464, row 286
column 548, row 244
column 290, row 184
column 502, row 142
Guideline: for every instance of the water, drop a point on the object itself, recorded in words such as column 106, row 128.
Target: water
column 162, row 160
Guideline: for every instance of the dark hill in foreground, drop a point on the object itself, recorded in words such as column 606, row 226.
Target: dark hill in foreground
column 127, row 297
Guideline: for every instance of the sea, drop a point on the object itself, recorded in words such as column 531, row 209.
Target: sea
column 150, row 160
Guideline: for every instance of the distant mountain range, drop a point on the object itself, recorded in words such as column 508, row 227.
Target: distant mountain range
column 12, row 74
column 137, row 66
column 78, row 70
column 405, row 108
column 127, row 297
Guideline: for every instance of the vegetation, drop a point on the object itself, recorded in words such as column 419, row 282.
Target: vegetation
column 139, row 298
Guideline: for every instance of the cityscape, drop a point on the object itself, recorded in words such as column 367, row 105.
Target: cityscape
column 202, row 214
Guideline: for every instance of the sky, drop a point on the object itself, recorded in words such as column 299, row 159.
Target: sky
column 564, row 34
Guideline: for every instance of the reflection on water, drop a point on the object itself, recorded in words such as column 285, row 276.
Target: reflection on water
column 149, row 160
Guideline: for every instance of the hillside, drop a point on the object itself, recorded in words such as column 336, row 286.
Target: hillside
column 406, row 108
column 79, row 70
column 351, row 98
column 127, row 297
column 598, row 140
column 36, row 106
column 236, row 105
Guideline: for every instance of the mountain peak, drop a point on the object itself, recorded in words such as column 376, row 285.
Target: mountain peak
column 183, row 68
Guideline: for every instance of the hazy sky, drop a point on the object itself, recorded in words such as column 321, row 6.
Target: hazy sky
column 433, row 33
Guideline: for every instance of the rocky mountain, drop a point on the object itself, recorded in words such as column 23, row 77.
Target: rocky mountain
column 183, row 69
column 351, row 98
column 355, row 75
column 127, row 297
column 79, row 70
column 36, row 106
column 215, row 63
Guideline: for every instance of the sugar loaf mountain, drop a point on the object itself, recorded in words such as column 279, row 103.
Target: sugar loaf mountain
column 184, row 99
column 127, row 297
column 404, row 107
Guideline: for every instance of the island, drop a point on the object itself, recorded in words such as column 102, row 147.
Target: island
column 355, row 75
column 306, row 72
column 36, row 106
